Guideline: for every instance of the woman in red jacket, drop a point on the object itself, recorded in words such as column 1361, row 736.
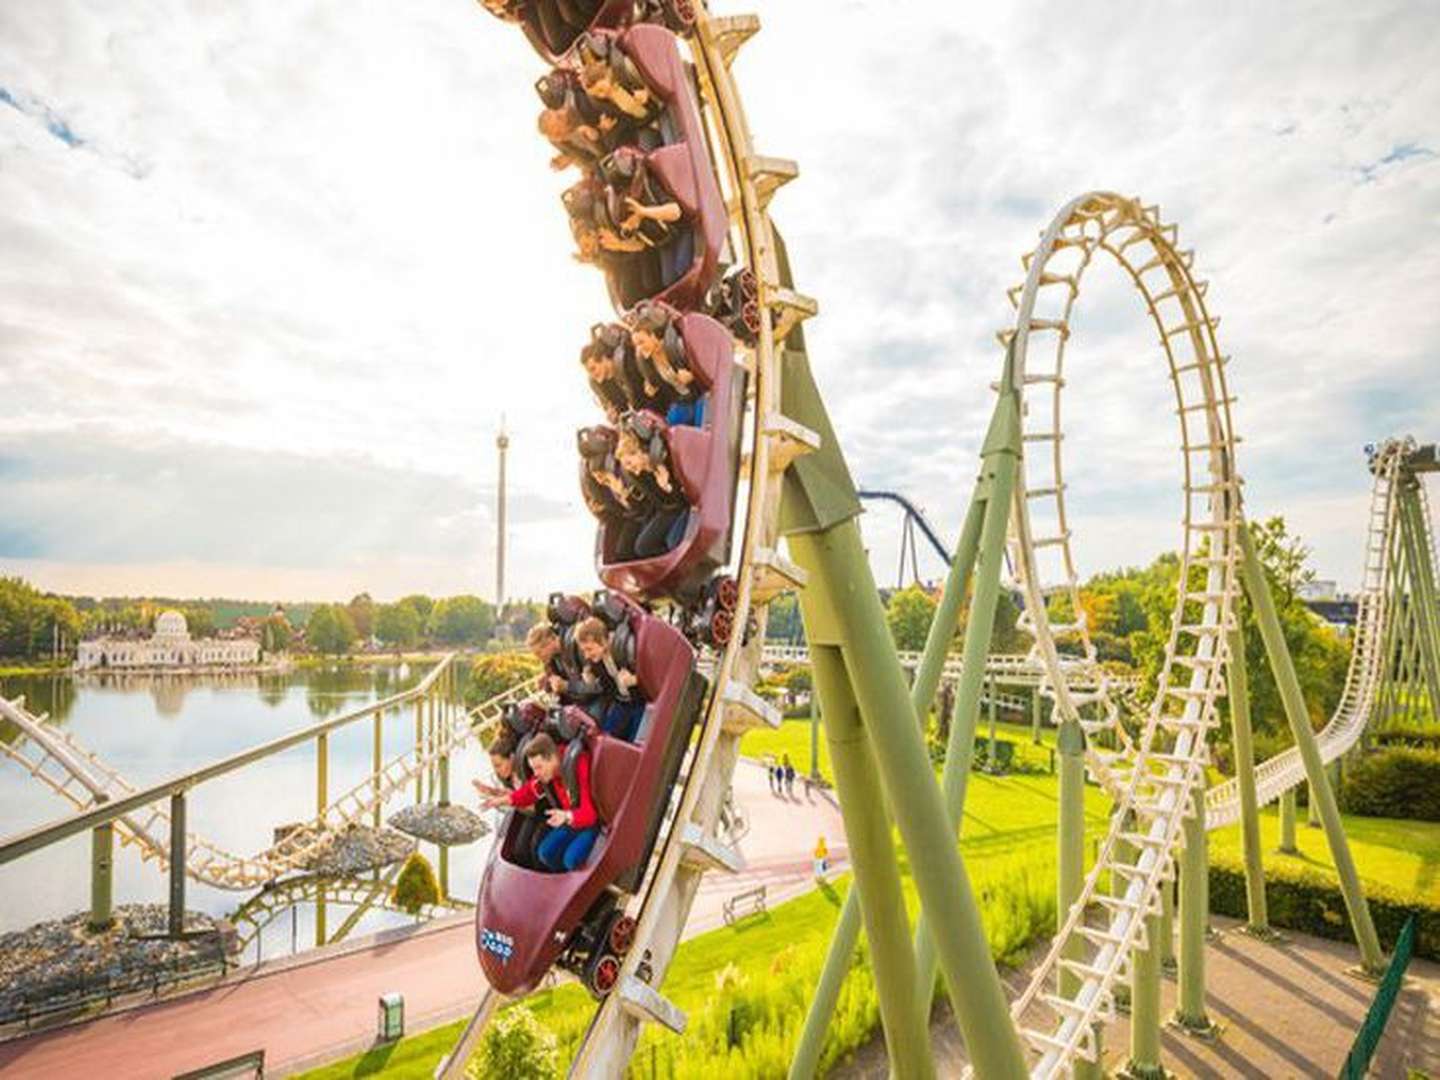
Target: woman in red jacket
column 575, row 823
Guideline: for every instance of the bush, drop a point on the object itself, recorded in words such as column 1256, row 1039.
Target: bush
column 517, row 1048
column 1299, row 898
column 494, row 673
column 1396, row 783
column 1418, row 736
column 416, row 886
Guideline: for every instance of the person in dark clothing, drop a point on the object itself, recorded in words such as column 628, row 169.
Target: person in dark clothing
column 660, row 356
column 619, row 706
column 604, row 360
column 528, row 824
column 653, row 492
column 789, row 774
column 545, row 645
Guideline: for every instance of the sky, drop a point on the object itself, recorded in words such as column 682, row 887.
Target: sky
column 274, row 273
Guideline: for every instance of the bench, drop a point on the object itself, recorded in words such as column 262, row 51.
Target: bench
column 744, row 904
column 249, row 1066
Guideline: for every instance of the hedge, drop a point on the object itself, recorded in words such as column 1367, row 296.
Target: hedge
column 1298, row 898
column 1397, row 783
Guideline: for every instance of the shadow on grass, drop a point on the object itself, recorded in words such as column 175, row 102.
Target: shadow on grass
column 828, row 891
column 375, row 1059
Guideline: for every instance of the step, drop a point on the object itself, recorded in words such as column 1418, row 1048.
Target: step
column 642, row 1000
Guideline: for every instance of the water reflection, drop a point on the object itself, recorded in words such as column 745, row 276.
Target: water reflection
column 150, row 727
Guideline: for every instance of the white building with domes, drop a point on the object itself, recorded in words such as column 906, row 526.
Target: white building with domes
column 171, row 646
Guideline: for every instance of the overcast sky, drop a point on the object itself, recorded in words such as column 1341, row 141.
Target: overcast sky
column 272, row 273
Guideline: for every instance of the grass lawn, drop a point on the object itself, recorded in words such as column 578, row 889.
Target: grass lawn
column 1402, row 854
column 1009, row 831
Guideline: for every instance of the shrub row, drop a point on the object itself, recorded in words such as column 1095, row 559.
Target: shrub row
column 1395, row 783
column 1301, row 899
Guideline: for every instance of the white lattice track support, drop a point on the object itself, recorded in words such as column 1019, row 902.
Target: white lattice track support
column 1154, row 777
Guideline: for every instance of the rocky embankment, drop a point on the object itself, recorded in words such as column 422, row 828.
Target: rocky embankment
column 61, row 960
column 450, row 824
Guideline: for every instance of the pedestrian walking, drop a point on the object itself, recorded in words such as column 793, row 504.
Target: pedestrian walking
column 789, row 777
column 822, row 859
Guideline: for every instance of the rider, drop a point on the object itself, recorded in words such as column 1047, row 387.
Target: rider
column 660, row 351
column 653, row 493
column 619, row 709
column 527, row 827
column 574, row 822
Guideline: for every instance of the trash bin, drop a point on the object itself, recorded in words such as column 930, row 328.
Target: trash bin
column 392, row 1017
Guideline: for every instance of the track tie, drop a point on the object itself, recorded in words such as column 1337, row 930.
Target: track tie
column 788, row 441
column 1065, row 1007
column 746, row 710
column 769, row 175
column 730, row 32
column 708, row 852
column 1098, row 936
column 642, row 1000
column 1043, row 492
column 1057, row 325
column 1194, row 324
column 774, row 574
column 788, row 310
column 1051, row 541
column 1042, row 436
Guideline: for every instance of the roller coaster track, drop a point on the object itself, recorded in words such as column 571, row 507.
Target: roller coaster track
column 1155, row 778
column 1367, row 656
column 690, row 844
column 83, row 779
column 253, row 916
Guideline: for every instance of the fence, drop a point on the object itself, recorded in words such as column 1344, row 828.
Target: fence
column 1357, row 1062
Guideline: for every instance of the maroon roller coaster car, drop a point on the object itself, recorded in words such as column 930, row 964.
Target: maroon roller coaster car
column 553, row 26
column 526, row 920
column 684, row 170
column 706, row 461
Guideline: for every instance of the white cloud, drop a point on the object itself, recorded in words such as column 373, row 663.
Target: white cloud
column 328, row 232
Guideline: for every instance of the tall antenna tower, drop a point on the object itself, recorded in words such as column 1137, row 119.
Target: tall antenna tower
column 502, row 443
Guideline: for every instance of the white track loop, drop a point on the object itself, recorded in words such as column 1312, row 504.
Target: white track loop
column 1367, row 656
column 1156, row 779
column 747, row 181
column 81, row 777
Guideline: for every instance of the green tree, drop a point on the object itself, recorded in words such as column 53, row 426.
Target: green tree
column 462, row 620
column 422, row 605
column 398, row 625
column 362, row 615
column 909, row 613
column 30, row 619
column 200, row 620
column 330, row 630
column 516, row 1047
column 416, row 886
column 275, row 634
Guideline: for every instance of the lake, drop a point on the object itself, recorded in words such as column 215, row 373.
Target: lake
column 153, row 726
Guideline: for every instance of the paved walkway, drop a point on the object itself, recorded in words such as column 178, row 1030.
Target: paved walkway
column 1289, row 1008
column 321, row 1005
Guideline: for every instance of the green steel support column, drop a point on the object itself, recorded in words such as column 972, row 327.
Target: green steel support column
column 806, row 1061
column 322, row 773
column 1287, row 822
column 922, row 693
column 1424, row 595
column 1194, row 913
column 1239, row 694
column 982, row 547
column 1070, row 862
column 1166, row 951
column 1035, row 716
column 1263, row 605
column 872, row 853
column 990, row 749
column 102, row 873
column 419, row 750
column 177, row 864
column 377, row 750
column 1144, row 1063
column 814, row 730
column 321, row 937
column 445, row 870
column 1312, row 807
column 841, row 596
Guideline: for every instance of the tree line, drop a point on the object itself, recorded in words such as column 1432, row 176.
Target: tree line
column 33, row 622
